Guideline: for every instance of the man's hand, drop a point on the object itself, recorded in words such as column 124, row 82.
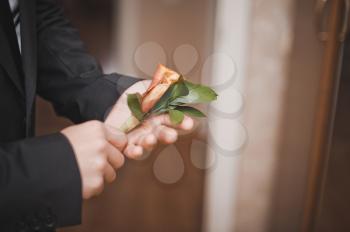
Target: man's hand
column 158, row 128
column 97, row 148
column 146, row 136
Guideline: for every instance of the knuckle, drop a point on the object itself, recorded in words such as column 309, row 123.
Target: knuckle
column 100, row 164
column 113, row 177
column 101, row 145
column 98, row 183
column 121, row 160
column 93, row 188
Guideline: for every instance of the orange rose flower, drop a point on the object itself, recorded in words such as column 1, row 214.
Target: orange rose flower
column 161, row 82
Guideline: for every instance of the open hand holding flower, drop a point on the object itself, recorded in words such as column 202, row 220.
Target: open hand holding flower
column 153, row 111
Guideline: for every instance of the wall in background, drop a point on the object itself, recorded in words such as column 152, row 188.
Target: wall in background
column 284, row 64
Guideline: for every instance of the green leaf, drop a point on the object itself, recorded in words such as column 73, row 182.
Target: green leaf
column 163, row 101
column 197, row 94
column 190, row 85
column 176, row 116
column 190, row 111
column 134, row 103
column 180, row 89
column 176, row 90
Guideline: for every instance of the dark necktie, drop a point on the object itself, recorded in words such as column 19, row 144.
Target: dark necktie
column 6, row 19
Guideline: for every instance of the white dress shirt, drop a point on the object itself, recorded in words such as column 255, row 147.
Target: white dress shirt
column 16, row 19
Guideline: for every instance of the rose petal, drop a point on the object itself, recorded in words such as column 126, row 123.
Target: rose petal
column 162, row 80
column 158, row 76
column 153, row 96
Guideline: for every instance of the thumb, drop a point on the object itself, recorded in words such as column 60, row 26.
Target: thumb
column 116, row 137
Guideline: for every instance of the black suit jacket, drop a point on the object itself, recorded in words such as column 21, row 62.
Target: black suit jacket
column 40, row 184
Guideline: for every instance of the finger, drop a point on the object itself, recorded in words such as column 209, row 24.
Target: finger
column 166, row 134
column 135, row 135
column 133, row 151
column 109, row 174
column 148, row 142
column 115, row 157
column 116, row 137
column 164, row 119
column 186, row 124
column 100, row 186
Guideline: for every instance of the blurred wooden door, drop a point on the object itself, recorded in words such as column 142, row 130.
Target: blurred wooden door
column 331, row 25
column 335, row 203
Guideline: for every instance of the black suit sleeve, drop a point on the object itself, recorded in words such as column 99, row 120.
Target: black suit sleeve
column 40, row 184
column 42, row 173
column 68, row 77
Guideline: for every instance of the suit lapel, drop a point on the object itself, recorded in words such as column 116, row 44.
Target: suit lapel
column 29, row 50
column 7, row 60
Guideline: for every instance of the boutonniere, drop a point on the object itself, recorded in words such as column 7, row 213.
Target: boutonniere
column 169, row 93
